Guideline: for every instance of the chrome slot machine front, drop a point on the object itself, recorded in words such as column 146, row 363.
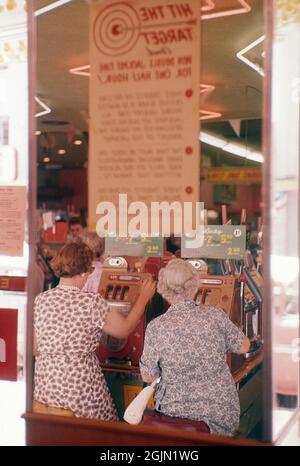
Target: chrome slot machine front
column 121, row 289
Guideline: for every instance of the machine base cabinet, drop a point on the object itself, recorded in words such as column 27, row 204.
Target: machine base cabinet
column 250, row 394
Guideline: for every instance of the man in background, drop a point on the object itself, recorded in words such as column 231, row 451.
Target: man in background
column 77, row 228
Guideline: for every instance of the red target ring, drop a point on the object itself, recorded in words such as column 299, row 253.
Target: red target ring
column 116, row 29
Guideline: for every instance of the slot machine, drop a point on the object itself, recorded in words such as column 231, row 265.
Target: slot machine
column 253, row 293
column 120, row 289
column 252, row 318
column 120, row 358
column 223, row 292
column 251, row 289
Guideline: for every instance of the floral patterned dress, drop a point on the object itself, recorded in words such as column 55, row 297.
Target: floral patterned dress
column 68, row 325
column 187, row 347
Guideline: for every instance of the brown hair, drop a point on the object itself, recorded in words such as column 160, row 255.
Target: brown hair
column 72, row 259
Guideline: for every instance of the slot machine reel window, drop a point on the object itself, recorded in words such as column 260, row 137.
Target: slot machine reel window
column 204, row 296
column 111, row 343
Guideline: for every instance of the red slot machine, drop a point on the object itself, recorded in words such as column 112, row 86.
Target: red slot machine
column 120, row 289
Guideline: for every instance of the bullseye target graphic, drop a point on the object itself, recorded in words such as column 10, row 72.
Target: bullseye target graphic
column 116, row 29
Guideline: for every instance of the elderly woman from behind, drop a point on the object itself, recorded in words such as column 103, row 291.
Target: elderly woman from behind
column 68, row 325
column 187, row 348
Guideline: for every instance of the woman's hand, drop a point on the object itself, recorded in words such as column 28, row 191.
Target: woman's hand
column 119, row 326
column 147, row 290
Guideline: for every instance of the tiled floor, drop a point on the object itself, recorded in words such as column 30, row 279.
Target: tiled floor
column 12, row 405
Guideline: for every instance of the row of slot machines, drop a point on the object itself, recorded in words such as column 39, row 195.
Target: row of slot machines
column 238, row 294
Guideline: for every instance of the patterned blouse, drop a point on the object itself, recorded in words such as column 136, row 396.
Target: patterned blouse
column 187, row 346
column 68, row 325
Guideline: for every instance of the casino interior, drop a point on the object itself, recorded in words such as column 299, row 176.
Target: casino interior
column 242, row 69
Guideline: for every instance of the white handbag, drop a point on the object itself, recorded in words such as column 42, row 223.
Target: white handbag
column 135, row 410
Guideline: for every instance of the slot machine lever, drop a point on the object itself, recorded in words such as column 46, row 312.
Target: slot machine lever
column 253, row 288
column 242, row 280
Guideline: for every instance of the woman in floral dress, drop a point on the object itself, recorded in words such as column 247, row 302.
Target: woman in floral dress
column 68, row 325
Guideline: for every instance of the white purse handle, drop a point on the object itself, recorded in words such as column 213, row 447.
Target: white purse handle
column 135, row 410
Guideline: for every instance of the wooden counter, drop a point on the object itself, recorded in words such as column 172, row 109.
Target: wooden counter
column 247, row 367
column 58, row 430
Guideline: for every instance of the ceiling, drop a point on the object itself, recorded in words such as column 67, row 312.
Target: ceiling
column 62, row 43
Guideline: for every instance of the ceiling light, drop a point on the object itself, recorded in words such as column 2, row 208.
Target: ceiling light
column 243, row 151
column 206, row 88
column 50, row 7
column 44, row 106
column 207, row 115
column 81, row 70
column 209, row 5
column 233, row 11
column 46, row 159
column 235, row 149
column 77, row 142
column 37, row 133
column 231, row 147
column 61, row 151
column 241, row 53
column 212, row 140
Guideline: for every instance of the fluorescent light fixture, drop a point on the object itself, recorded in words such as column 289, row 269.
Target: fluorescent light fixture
column 245, row 8
column 241, row 53
column 212, row 140
column 50, row 7
column 61, row 151
column 44, row 106
column 242, row 151
column 81, row 70
column 235, row 149
column 231, row 147
column 77, row 142
column 46, row 159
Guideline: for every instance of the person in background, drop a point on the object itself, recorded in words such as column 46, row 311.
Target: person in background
column 97, row 245
column 68, row 325
column 76, row 228
column 173, row 245
column 187, row 348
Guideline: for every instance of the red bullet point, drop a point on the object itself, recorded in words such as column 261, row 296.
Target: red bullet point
column 188, row 150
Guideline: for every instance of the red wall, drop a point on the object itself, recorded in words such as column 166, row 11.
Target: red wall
column 248, row 197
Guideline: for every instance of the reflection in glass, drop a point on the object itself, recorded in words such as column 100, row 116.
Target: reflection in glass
column 285, row 211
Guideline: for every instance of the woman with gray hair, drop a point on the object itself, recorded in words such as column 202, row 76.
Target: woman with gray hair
column 187, row 348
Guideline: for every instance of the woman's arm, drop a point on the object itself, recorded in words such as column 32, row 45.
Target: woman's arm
column 245, row 346
column 119, row 326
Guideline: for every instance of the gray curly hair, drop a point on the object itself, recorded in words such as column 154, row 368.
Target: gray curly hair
column 178, row 281
column 94, row 242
